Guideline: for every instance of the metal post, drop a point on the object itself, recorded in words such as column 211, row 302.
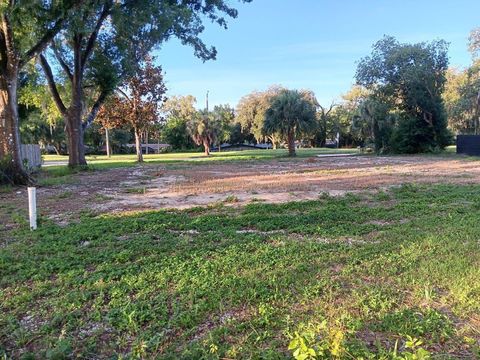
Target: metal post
column 32, row 207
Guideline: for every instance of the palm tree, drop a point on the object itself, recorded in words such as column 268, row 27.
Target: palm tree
column 202, row 129
column 290, row 114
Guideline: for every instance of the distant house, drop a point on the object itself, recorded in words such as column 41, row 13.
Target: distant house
column 151, row 148
column 240, row 147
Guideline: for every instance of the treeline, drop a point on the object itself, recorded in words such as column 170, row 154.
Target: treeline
column 406, row 100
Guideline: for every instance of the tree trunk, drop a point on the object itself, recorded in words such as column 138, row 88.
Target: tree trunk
column 274, row 142
column 206, row 145
column 107, row 143
column 9, row 134
column 291, row 143
column 138, row 145
column 57, row 149
column 323, row 140
column 146, row 142
column 76, row 148
column 74, row 114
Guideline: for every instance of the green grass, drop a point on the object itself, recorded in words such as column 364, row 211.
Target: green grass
column 122, row 160
column 348, row 277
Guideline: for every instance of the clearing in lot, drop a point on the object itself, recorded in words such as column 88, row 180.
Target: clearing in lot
column 188, row 257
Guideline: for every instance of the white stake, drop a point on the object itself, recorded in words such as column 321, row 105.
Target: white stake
column 32, row 207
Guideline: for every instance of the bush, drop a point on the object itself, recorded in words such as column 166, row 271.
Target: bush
column 413, row 135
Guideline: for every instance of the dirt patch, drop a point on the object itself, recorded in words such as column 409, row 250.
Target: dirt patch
column 238, row 314
column 284, row 181
column 183, row 186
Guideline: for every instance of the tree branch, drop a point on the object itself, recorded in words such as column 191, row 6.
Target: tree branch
column 51, row 84
column 95, row 108
column 62, row 62
column 125, row 95
column 49, row 35
column 93, row 36
column 326, row 112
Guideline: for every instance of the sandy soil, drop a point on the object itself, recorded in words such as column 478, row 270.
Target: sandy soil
column 281, row 181
column 184, row 185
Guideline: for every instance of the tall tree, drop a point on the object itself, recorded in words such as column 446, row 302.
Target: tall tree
column 178, row 111
column 108, row 38
column 462, row 92
column 179, row 107
column 324, row 115
column 460, row 96
column 224, row 116
column 290, row 114
column 349, row 119
column 410, row 78
column 26, row 28
column 138, row 102
column 474, row 42
column 251, row 111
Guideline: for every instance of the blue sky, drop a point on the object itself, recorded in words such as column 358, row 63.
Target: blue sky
column 309, row 44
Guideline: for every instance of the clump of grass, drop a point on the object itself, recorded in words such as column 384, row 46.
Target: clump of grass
column 65, row 195
column 231, row 199
column 418, row 323
column 136, row 190
column 5, row 188
column 59, row 175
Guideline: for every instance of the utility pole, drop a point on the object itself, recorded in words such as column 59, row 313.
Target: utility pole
column 207, row 99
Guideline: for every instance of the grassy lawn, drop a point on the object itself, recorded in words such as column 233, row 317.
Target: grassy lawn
column 119, row 160
column 386, row 276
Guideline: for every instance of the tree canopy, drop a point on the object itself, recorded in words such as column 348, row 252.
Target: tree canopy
column 251, row 111
column 137, row 102
column 203, row 130
column 408, row 79
column 290, row 114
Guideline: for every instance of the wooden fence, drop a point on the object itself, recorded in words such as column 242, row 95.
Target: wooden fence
column 31, row 156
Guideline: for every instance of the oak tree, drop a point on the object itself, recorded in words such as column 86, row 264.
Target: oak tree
column 178, row 111
column 409, row 80
column 137, row 103
column 26, row 28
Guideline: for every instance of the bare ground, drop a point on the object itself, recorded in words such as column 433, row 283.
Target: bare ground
column 234, row 183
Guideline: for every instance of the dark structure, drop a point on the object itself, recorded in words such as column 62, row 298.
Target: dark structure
column 468, row 145
column 239, row 147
